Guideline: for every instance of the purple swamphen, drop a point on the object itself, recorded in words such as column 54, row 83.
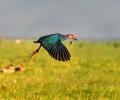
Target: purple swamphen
column 53, row 45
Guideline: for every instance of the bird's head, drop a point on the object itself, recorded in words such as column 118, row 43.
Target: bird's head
column 71, row 36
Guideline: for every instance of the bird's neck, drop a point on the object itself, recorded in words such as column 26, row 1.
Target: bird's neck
column 63, row 37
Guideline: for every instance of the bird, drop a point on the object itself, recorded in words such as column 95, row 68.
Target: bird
column 8, row 69
column 11, row 68
column 53, row 45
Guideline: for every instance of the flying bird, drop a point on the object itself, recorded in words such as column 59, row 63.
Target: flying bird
column 53, row 45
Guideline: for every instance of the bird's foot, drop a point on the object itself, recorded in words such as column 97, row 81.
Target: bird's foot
column 34, row 52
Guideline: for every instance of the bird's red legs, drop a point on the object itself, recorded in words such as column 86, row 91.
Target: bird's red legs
column 36, row 51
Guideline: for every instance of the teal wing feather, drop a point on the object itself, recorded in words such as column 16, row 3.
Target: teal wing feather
column 49, row 39
column 55, row 47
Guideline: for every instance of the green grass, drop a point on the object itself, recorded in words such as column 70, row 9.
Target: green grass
column 93, row 73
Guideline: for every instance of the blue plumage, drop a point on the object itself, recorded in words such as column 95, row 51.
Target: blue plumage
column 53, row 45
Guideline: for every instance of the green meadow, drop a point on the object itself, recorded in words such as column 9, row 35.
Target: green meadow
column 93, row 73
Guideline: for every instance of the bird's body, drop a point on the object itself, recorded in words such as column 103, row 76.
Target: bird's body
column 52, row 38
column 53, row 45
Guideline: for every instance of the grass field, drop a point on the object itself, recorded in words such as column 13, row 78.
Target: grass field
column 93, row 73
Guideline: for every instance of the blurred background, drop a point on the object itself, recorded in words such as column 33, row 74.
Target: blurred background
column 93, row 73
column 89, row 19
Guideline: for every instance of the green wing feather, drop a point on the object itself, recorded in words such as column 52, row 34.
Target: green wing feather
column 49, row 39
column 55, row 48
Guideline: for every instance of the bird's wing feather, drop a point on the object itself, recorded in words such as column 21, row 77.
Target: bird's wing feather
column 55, row 48
column 59, row 52
column 49, row 39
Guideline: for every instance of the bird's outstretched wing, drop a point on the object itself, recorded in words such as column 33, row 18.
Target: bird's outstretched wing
column 55, row 48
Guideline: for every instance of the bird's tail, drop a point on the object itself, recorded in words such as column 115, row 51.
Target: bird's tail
column 36, row 41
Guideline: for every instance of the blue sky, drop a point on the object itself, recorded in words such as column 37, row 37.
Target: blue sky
column 98, row 19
